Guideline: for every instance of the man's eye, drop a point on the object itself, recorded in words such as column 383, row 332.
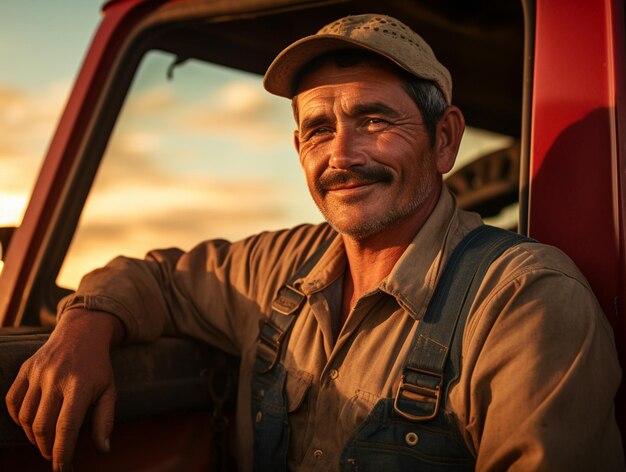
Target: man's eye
column 376, row 124
column 319, row 133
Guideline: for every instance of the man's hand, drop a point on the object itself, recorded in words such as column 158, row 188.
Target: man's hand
column 54, row 388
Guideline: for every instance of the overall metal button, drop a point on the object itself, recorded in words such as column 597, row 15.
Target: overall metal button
column 411, row 438
column 259, row 416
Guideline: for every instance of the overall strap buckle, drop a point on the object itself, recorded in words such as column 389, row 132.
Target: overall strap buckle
column 273, row 330
column 268, row 347
column 435, row 351
column 419, row 391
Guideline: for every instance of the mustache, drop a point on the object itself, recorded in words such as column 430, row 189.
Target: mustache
column 358, row 176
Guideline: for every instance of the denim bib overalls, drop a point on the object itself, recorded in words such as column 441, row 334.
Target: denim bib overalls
column 412, row 431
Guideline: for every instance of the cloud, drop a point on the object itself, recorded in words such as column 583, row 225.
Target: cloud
column 11, row 208
column 181, row 213
column 169, row 175
column 241, row 99
column 217, row 111
column 160, row 100
column 27, row 121
column 241, row 105
column 23, row 113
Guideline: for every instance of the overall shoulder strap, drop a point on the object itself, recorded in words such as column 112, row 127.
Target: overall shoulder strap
column 422, row 385
column 285, row 308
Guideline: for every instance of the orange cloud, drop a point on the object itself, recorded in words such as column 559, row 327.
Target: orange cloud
column 26, row 125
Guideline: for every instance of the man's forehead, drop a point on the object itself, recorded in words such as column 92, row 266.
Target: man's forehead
column 354, row 90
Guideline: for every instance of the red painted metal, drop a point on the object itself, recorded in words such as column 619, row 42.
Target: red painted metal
column 573, row 188
column 26, row 244
column 576, row 199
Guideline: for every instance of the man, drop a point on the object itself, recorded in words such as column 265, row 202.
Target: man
column 375, row 132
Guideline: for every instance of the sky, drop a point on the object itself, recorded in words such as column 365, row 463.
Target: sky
column 206, row 177
column 208, row 154
column 41, row 48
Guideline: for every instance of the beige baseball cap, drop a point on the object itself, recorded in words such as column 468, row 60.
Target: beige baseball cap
column 377, row 33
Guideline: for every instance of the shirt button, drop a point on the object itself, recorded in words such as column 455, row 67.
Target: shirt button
column 318, row 454
column 333, row 374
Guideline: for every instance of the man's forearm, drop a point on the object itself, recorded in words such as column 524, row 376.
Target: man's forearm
column 108, row 325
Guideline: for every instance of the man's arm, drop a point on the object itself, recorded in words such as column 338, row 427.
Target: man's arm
column 215, row 293
column 54, row 388
column 540, row 371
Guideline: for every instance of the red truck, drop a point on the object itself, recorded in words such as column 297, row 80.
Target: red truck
column 548, row 74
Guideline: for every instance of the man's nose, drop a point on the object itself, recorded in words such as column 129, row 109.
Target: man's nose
column 346, row 149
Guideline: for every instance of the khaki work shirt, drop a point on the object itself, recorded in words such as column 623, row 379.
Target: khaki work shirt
column 539, row 372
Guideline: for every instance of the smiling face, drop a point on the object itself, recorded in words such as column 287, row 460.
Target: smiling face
column 365, row 151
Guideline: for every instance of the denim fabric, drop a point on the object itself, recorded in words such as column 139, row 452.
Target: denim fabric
column 271, row 424
column 417, row 433
column 385, row 441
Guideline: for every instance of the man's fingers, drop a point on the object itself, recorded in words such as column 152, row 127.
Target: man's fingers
column 28, row 411
column 15, row 396
column 103, row 415
column 67, row 428
column 44, row 426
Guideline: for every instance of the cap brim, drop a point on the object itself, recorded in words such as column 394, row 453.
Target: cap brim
column 282, row 72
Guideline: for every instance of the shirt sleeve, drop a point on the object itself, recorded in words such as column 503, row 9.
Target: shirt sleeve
column 540, row 370
column 216, row 292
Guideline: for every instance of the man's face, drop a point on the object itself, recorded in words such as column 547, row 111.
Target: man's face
column 364, row 149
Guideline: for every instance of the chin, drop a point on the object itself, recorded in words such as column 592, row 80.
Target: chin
column 358, row 229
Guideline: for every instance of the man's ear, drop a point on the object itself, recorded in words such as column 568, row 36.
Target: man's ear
column 448, row 138
column 296, row 140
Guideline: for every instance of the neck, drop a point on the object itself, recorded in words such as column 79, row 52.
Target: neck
column 371, row 259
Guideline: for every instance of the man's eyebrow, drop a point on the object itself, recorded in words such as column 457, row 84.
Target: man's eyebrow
column 314, row 121
column 360, row 109
column 375, row 108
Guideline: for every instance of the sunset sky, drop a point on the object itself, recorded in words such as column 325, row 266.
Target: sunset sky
column 207, row 154
column 41, row 47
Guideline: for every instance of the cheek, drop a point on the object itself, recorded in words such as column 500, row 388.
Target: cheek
column 403, row 151
column 395, row 141
column 309, row 168
column 312, row 160
column 425, row 171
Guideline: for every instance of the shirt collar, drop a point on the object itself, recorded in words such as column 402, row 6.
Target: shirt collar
column 414, row 277
column 327, row 270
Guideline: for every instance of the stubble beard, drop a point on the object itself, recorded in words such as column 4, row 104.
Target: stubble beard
column 363, row 228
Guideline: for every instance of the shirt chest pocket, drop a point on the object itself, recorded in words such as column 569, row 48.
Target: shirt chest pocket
column 356, row 409
column 297, row 386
